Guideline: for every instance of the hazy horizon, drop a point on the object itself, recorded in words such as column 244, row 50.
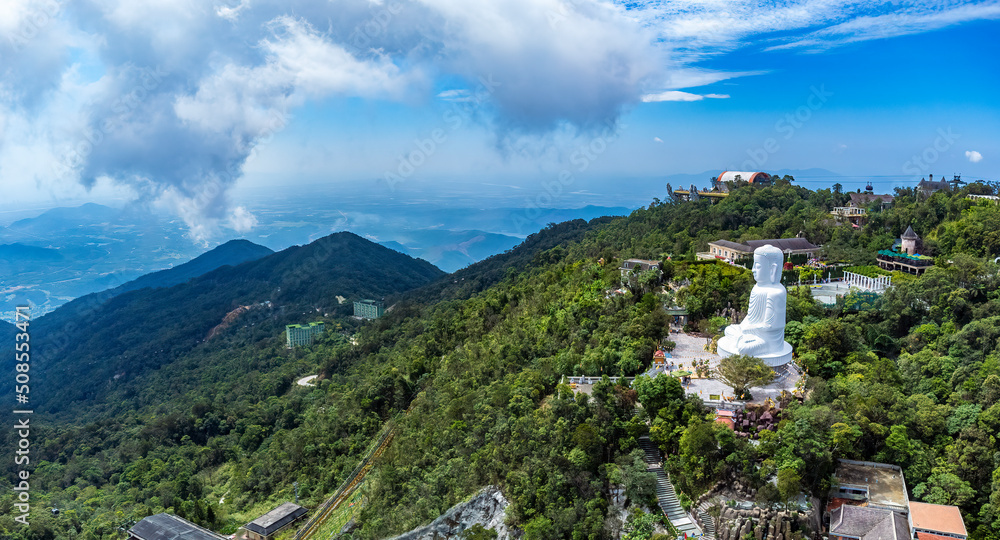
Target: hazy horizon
column 187, row 105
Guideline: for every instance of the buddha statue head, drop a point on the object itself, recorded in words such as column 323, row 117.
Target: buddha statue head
column 767, row 262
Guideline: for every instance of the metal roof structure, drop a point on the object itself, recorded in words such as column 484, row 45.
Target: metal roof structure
column 170, row 527
column 274, row 520
column 868, row 523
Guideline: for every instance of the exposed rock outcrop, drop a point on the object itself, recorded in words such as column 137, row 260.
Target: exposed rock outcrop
column 762, row 524
column 486, row 508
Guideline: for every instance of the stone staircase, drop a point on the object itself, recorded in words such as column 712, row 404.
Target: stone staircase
column 665, row 493
column 707, row 523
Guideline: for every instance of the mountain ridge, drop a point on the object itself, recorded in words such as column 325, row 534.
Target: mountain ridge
column 144, row 329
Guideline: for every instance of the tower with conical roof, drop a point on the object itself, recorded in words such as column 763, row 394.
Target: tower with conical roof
column 910, row 242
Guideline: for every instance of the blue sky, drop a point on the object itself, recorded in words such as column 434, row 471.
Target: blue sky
column 185, row 105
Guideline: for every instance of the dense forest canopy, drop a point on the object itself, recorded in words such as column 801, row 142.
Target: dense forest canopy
column 470, row 369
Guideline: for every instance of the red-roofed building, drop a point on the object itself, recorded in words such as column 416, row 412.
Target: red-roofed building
column 937, row 521
column 929, row 536
column 723, row 416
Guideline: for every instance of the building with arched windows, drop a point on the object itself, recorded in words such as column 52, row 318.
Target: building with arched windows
column 756, row 178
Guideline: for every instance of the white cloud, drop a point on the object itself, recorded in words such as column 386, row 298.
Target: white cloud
column 676, row 95
column 231, row 13
column 299, row 63
column 457, row 95
column 698, row 29
column 542, row 53
column 242, row 220
column 657, row 139
column 904, row 22
column 974, row 157
column 230, row 74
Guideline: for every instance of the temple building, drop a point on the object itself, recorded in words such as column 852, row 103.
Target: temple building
column 724, row 249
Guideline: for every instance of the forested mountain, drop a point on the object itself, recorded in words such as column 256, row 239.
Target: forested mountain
column 231, row 253
column 105, row 342
column 470, row 366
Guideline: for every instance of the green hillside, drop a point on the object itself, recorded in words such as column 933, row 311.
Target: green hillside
column 476, row 359
column 231, row 253
column 110, row 342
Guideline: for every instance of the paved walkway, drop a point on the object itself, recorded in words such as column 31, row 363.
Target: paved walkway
column 827, row 293
column 665, row 494
column 788, row 377
column 691, row 348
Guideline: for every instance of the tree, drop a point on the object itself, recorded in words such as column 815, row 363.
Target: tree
column 478, row 532
column 656, row 393
column 639, row 525
column 943, row 487
column 743, row 372
column 789, row 484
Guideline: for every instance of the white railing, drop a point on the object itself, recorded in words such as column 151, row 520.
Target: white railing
column 865, row 283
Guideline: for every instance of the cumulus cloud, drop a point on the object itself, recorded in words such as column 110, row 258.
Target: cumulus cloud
column 551, row 61
column 973, row 156
column 169, row 99
column 242, row 220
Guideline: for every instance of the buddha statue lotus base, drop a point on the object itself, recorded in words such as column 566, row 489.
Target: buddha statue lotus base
column 727, row 347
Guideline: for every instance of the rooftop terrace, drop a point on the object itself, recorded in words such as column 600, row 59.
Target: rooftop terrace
column 885, row 484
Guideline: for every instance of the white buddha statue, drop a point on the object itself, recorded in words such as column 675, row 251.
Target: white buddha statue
column 762, row 332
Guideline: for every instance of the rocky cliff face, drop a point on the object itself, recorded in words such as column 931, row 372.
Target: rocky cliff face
column 761, row 524
column 487, row 508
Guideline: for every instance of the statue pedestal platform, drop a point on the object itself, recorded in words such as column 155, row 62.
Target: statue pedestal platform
column 727, row 347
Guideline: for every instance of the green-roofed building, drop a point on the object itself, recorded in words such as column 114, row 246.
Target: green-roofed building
column 369, row 309
column 303, row 334
column 908, row 258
